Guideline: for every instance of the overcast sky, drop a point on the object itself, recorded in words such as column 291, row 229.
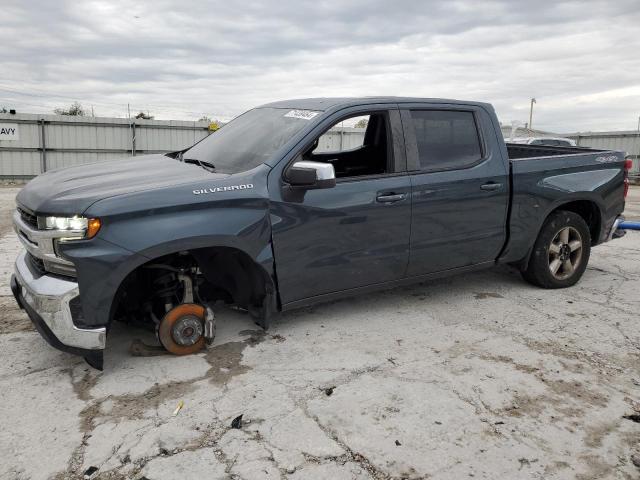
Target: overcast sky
column 182, row 60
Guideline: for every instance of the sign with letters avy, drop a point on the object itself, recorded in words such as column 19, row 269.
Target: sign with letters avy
column 9, row 131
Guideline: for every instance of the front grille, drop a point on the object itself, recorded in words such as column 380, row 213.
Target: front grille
column 36, row 265
column 42, row 256
column 28, row 218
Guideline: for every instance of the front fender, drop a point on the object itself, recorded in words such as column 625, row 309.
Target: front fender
column 101, row 267
column 103, row 263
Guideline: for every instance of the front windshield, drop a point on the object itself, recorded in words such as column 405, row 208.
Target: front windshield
column 250, row 139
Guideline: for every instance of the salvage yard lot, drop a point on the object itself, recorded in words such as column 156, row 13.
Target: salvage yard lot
column 478, row 375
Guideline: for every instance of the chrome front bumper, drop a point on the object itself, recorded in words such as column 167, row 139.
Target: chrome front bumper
column 47, row 298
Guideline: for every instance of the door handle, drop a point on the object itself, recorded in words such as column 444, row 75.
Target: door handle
column 491, row 186
column 391, row 197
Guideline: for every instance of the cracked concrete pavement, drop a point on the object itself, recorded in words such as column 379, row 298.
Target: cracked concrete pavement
column 478, row 375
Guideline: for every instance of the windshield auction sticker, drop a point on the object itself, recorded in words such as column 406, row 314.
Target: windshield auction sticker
column 301, row 114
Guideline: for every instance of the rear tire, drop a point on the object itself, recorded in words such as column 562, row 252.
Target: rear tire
column 561, row 252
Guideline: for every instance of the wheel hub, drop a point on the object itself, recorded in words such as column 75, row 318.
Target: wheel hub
column 565, row 252
column 187, row 330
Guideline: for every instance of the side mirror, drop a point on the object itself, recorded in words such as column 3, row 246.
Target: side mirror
column 311, row 175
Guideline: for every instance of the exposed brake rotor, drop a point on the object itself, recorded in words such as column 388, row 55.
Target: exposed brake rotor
column 182, row 329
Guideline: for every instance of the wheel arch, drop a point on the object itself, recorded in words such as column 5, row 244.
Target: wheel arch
column 588, row 208
column 250, row 276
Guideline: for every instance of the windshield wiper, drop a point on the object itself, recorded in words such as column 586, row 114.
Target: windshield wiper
column 210, row 167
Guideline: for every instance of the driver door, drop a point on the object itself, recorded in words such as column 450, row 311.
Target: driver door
column 355, row 234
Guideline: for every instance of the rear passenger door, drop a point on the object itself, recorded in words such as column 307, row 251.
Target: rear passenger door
column 459, row 187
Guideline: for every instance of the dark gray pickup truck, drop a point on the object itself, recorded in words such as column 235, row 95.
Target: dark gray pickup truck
column 287, row 206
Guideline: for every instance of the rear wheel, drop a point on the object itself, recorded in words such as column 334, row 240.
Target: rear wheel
column 561, row 252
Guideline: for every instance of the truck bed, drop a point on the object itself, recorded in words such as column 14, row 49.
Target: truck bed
column 543, row 177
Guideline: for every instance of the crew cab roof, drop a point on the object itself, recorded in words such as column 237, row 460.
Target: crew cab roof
column 338, row 103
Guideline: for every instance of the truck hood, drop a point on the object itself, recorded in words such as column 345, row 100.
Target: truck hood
column 72, row 190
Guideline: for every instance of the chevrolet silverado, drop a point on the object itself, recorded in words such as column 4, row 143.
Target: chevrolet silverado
column 285, row 206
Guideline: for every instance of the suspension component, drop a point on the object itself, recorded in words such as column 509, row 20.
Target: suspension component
column 209, row 326
column 187, row 327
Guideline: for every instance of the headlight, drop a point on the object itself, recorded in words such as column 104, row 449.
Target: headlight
column 65, row 223
column 78, row 227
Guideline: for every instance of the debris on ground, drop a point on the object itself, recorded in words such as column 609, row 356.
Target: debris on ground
column 398, row 443
column 525, row 461
column 633, row 417
column 89, row 472
column 178, row 408
column 328, row 391
column 237, row 422
column 635, row 459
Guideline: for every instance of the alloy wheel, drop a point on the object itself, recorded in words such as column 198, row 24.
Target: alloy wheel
column 565, row 253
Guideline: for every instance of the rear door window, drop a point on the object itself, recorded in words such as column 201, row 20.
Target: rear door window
column 446, row 139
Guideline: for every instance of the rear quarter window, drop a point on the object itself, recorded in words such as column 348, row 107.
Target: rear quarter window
column 446, row 139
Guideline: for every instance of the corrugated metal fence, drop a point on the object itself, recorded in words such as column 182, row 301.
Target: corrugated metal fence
column 625, row 141
column 340, row 138
column 32, row 144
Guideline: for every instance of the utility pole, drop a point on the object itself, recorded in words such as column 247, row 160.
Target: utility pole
column 638, row 141
column 533, row 100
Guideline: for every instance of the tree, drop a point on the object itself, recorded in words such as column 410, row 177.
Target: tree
column 205, row 118
column 144, row 116
column 4, row 110
column 76, row 110
column 362, row 123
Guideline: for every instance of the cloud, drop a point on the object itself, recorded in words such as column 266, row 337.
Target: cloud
column 185, row 59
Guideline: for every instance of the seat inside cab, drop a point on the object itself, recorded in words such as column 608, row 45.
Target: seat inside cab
column 352, row 151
